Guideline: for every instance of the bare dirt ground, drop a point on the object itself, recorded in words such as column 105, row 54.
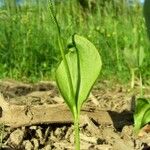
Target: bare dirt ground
column 35, row 117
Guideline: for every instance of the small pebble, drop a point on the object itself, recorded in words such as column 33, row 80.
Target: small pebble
column 16, row 138
column 27, row 145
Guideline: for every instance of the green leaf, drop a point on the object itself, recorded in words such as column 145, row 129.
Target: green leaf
column 84, row 64
column 142, row 112
column 146, row 117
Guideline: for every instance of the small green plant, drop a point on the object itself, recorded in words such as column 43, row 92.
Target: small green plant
column 142, row 108
column 76, row 73
column 84, row 65
column 134, row 58
column 142, row 113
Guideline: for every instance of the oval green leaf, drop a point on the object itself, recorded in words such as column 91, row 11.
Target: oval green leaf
column 84, row 64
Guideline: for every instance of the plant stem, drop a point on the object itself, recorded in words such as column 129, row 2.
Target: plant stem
column 132, row 78
column 75, row 110
column 61, row 47
column 141, row 85
column 116, row 45
column 66, row 66
column 77, row 132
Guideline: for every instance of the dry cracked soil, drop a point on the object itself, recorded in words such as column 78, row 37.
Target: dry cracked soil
column 111, row 128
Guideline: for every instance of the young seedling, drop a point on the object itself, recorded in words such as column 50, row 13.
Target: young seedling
column 76, row 74
column 134, row 58
column 142, row 108
column 142, row 113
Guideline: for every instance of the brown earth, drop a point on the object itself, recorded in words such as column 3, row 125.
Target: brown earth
column 34, row 117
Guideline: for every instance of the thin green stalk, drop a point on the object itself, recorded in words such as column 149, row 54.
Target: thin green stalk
column 132, row 78
column 77, row 113
column 66, row 64
column 61, row 47
column 141, row 85
column 77, row 132
column 116, row 46
column 75, row 110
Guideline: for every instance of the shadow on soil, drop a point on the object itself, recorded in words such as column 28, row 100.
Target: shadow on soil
column 121, row 119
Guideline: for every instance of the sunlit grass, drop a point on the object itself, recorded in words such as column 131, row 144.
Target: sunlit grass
column 28, row 43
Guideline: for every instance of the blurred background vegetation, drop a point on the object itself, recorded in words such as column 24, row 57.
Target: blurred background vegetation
column 28, row 36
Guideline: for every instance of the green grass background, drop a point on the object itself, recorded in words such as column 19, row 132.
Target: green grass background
column 28, row 36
